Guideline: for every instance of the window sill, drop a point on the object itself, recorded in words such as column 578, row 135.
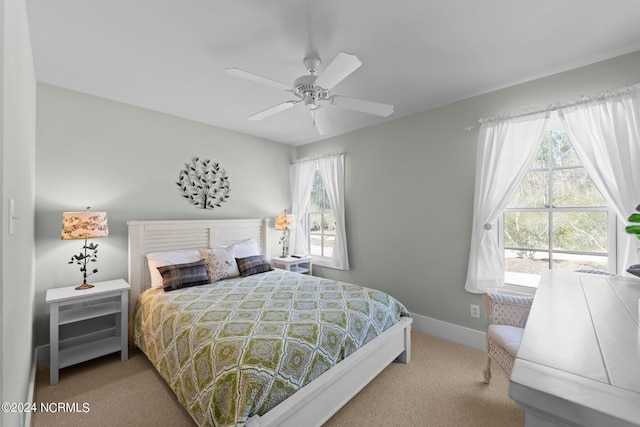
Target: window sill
column 521, row 284
column 323, row 262
column 518, row 290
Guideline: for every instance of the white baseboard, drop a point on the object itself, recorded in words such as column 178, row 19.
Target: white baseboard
column 40, row 356
column 450, row 332
column 43, row 354
column 31, row 392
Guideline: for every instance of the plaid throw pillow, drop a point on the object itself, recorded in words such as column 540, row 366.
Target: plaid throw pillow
column 253, row 265
column 183, row 275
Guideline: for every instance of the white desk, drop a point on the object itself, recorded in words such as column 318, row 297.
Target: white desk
column 579, row 360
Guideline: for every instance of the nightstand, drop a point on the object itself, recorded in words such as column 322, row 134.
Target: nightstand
column 87, row 324
column 300, row 265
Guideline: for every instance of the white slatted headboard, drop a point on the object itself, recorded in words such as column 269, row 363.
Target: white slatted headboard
column 156, row 236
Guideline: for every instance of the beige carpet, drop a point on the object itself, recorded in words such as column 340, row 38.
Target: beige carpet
column 442, row 386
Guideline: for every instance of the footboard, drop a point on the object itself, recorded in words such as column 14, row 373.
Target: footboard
column 315, row 403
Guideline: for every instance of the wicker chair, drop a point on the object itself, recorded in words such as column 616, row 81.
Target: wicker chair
column 507, row 316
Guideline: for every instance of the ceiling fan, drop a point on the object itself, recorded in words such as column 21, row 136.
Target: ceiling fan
column 314, row 91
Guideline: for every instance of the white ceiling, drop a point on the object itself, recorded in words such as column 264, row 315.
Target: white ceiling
column 170, row 56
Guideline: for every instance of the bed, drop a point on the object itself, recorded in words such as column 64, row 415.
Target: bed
column 281, row 382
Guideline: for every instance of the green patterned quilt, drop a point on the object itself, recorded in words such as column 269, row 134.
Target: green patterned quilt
column 238, row 347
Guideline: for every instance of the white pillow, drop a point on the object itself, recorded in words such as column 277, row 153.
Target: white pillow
column 246, row 248
column 160, row 259
column 220, row 263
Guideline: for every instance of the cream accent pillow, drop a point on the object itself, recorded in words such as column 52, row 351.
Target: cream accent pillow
column 220, row 263
column 508, row 337
column 160, row 259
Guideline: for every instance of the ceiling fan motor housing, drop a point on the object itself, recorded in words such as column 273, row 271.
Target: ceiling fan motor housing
column 306, row 90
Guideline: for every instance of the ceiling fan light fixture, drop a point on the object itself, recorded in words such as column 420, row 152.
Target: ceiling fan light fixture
column 311, row 102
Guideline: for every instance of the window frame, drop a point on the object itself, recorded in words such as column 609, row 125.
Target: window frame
column 612, row 222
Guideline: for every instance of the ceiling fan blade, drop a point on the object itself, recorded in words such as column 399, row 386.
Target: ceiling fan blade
column 273, row 110
column 343, row 65
column 369, row 107
column 256, row 78
column 321, row 121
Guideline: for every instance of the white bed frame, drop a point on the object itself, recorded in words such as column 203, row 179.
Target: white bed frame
column 315, row 403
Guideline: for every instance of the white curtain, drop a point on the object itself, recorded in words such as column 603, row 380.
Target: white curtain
column 605, row 133
column 331, row 169
column 506, row 148
column 301, row 182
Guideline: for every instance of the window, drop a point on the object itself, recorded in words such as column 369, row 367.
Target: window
column 605, row 128
column 321, row 234
column 317, row 187
column 557, row 219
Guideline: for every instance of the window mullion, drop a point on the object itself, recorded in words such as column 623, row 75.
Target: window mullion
column 550, row 220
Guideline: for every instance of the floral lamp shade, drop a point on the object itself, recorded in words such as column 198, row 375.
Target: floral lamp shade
column 84, row 225
column 284, row 222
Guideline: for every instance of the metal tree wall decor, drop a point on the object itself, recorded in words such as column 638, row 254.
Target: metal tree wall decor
column 204, row 183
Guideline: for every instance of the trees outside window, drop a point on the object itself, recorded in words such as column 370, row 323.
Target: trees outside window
column 321, row 234
column 557, row 219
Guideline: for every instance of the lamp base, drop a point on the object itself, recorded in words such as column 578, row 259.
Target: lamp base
column 83, row 287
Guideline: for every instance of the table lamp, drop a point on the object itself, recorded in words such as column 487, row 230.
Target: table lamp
column 84, row 225
column 284, row 222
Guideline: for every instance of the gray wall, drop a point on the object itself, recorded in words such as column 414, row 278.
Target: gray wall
column 125, row 160
column 410, row 183
column 17, row 156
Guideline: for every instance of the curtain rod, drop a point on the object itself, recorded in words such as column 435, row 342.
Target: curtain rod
column 625, row 91
column 319, row 156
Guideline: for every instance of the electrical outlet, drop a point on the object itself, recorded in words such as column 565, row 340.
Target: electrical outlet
column 475, row 311
column 12, row 216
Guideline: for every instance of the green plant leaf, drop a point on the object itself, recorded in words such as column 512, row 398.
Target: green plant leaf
column 633, row 229
column 634, row 217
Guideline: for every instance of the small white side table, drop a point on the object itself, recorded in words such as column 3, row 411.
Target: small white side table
column 85, row 324
column 300, row 265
